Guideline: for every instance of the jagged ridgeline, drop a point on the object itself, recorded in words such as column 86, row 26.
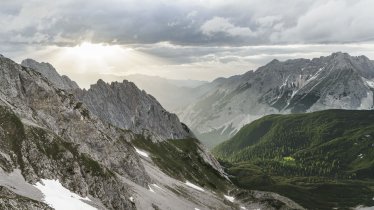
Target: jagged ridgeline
column 48, row 133
column 322, row 160
column 337, row 81
column 110, row 147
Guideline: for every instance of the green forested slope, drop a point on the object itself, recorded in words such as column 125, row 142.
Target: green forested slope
column 307, row 157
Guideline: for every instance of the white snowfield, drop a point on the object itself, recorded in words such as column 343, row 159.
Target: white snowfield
column 60, row 198
column 230, row 198
column 142, row 153
column 194, row 186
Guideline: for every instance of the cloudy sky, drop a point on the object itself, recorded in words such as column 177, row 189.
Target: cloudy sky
column 181, row 39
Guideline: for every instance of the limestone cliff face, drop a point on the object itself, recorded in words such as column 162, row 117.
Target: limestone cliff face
column 126, row 106
column 48, row 134
column 337, row 81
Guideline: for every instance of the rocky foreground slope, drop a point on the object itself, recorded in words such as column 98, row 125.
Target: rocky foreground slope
column 53, row 143
column 337, row 81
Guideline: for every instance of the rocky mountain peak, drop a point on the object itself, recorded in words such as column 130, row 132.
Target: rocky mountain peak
column 100, row 82
column 274, row 61
column 337, row 81
column 48, row 71
column 340, row 55
column 126, row 106
column 122, row 104
column 361, row 65
column 34, row 64
column 341, row 60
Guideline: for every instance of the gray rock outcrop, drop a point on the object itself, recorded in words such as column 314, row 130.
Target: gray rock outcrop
column 58, row 138
column 126, row 106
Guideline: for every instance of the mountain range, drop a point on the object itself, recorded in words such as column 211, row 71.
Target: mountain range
column 115, row 146
column 337, row 81
column 112, row 146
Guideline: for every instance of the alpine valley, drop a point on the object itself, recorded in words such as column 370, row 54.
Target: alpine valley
column 302, row 128
column 112, row 146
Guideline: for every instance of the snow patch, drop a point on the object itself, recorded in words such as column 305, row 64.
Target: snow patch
column 225, row 127
column 284, row 83
column 60, row 198
column 155, row 185
column 367, row 102
column 369, row 83
column 230, row 198
column 131, row 199
column 142, row 153
column 315, row 75
column 361, row 207
column 197, row 209
column 150, row 189
column 242, row 207
column 194, row 186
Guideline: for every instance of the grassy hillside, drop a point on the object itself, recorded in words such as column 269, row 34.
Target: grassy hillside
column 321, row 160
column 181, row 159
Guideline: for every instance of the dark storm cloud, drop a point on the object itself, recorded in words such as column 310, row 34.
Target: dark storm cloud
column 185, row 22
column 201, row 39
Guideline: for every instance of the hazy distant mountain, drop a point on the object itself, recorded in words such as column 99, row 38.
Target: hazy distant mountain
column 337, row 81
column 143, row 79
column 172, row 94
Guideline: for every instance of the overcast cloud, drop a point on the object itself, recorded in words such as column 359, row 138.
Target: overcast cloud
column 215, row 37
